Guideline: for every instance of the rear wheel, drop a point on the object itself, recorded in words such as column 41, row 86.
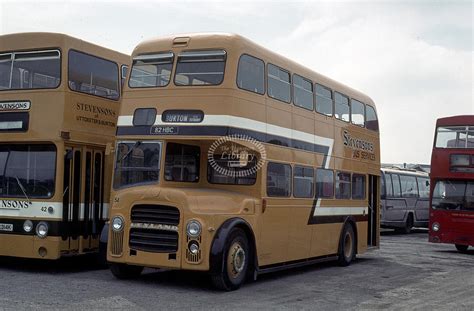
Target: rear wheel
column 235, row 262
column 461, row 248
column 123, row 271
column 408, row 225
column 347, row 246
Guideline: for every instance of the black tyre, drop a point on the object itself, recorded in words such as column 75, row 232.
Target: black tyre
column 347, row 246
column 408, row 225
column 101, row 256
column 461, row 248
column 235, row 262
column 124, row 272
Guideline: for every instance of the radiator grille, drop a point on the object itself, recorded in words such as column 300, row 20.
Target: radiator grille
column 157, row 241
column 117, row 243
column 155, row 214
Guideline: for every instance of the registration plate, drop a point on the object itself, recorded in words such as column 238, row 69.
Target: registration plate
column 6, row 227
column 164, row 130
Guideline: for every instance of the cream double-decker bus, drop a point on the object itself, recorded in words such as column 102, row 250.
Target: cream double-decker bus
column 59, row 103
column 234, row 160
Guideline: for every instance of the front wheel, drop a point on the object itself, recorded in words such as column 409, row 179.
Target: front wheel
column 123, row 271
column 235, row 262
column 347, row 246
column 461, row 248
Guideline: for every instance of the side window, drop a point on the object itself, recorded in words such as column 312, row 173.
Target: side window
column 341, row 105
column 423, row 187
column 382, row 186
column 323, row 100
column 357, row 113
column 388, row 183
column 371, row 121
column 123, row 74
column 239, row 175
column 279, row 83
column 324, row 183
column 303, row 182
column 409, row 186
column 182, row 163
column 251, row 74
column 358, row 186
column 278, row 180
column 343, row 185
column 396, row 186
column 92, row 75
column 302, row 92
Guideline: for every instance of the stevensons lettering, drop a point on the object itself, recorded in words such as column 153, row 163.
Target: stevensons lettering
column 15, row 105
column 13, row 204
column 362, row 148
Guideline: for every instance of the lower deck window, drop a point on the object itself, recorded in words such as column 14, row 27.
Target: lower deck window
column 278, row 180
column 343, row 185
column 225, row 171
column 303, row 182
column 27, row 171
column 182, row 162
column 453, row 195
column 324, row 183
column 358, row 186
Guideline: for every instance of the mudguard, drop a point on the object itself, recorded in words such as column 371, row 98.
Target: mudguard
column 217, row 249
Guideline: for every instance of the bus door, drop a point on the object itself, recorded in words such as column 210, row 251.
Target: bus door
column 93, row 199
column 82, row 197
column 372, row 226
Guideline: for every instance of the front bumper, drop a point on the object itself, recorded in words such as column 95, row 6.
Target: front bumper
column 28, row 246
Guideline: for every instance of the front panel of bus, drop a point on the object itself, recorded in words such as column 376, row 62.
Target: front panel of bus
column 55, row 120
column 452, row 186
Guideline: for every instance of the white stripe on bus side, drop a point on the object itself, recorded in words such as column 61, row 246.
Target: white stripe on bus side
column 338, row 211
column 34, row 209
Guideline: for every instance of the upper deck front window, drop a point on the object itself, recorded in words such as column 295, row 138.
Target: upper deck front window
column 30, row 70
column 455, row 137
column 151, row 70
column 200, row 67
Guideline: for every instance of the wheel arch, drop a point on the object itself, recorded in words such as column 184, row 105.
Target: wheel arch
column 219, row 241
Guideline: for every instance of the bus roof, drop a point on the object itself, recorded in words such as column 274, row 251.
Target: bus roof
column 398, row 170
column 38, row 40
column 240, row 44
column 456, row 120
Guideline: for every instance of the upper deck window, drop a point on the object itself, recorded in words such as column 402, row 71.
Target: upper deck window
column 279, row 83
column 357, row 113
column 200, row 67
column 251, row 74
column 92, row 75
column 151, row 70
column 303, row 92
column 323, row 100
column 30, row 70
column 342, row 109
column 371, row 121
column 455, row 137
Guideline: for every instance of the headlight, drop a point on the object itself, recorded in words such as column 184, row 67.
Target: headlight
column 117, row 223
column 42, row 229
column 28, row 226
column 435, row 227
column 193, row 248
column 193, row 228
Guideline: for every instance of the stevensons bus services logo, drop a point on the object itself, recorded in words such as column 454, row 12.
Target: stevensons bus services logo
column 361, row 148
column 236, row 156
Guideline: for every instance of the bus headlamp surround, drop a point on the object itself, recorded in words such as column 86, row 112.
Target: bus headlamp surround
column 193, row 228
column 117, row 223
column 28, row 225
column 42, row 229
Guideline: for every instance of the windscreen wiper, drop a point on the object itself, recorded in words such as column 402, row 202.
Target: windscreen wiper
column 22, row 188
column 138, row 143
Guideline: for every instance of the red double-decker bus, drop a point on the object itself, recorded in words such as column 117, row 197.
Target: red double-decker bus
column 452, row 183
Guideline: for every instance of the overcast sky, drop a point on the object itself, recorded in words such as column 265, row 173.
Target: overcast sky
column 414, row 58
